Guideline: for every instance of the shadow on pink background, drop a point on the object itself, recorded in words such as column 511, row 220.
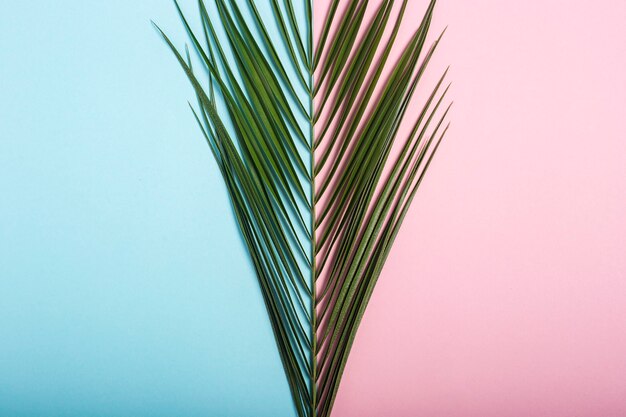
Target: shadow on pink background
column 505, row 294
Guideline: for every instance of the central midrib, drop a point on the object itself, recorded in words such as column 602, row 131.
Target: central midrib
column 313, row 381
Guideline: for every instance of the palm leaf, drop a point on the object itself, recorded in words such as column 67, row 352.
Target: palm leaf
column 307, row 141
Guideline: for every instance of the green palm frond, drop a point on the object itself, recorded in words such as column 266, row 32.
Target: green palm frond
column 307, row 141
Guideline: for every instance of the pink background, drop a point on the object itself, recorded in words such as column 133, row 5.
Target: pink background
column 505, row 294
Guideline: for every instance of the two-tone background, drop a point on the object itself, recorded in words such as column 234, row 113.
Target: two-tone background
column 125, row 289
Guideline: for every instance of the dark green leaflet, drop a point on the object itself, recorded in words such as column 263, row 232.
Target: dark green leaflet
column 318, row 214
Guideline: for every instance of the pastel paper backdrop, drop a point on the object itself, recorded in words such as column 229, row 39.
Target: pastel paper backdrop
column 505, row 294
column 125, row 290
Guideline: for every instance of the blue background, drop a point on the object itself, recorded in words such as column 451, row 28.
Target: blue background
column 125, row 289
